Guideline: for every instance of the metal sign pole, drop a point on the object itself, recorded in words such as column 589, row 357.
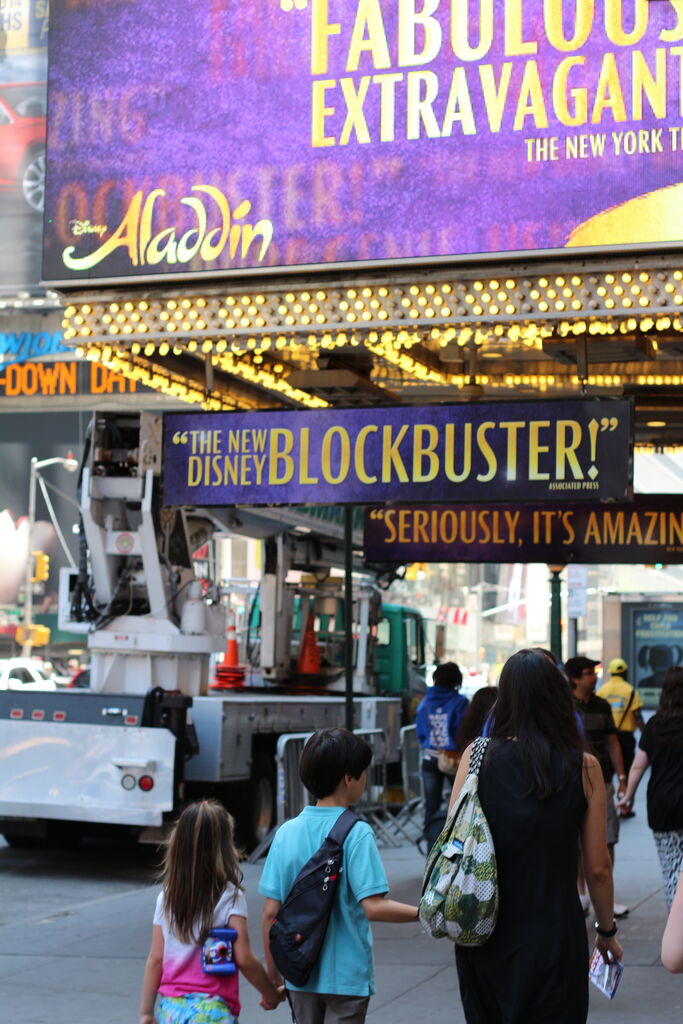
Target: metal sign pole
column 348, row 612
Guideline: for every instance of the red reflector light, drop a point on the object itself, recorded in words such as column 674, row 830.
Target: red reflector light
column 37, row 715
column 131, row 720
column 16, row 713
column 146, row 782
column 59, row 716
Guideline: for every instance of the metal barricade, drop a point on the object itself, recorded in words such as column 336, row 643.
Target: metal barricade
column 292, row 796
column 408, row 819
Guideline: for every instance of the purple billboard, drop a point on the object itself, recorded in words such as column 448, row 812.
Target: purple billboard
column 209, row 136
column 648, row 530
column 516, row 451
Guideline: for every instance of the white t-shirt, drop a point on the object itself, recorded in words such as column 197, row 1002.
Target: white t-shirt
column 182, row 971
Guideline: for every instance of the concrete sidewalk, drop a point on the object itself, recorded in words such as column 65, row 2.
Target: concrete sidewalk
column 84, row 965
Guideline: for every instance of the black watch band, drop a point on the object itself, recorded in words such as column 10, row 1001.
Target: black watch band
column 606, row 933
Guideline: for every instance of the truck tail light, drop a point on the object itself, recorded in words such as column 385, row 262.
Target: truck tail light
column 146, row 782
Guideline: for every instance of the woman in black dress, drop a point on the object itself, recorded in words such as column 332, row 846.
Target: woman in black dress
column 541, row 795
column 661, row 749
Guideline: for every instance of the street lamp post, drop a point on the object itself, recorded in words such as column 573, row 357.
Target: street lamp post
column 70, row 464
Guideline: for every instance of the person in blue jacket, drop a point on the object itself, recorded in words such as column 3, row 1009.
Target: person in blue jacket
column 438, row 717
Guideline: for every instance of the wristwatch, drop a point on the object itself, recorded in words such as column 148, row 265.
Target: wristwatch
column 606, row 933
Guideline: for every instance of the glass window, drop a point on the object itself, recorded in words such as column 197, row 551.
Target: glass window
column 383, row 633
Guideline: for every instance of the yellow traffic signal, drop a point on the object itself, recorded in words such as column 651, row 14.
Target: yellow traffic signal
column 41, row 569
column 33, row 636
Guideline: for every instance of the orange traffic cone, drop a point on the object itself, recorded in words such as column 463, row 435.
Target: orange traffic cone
column 309, row 658
column 229, row 673
column 231, row 659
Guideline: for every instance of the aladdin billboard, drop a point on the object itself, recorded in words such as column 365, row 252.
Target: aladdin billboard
column 205, row 137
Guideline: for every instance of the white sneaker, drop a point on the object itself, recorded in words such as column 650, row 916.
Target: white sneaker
column 585, row 903
column 620, row 910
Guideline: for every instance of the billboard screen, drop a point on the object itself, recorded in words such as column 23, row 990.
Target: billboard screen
column 23, row 101
column 219, row 136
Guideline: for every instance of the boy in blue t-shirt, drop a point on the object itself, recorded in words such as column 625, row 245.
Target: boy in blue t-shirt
column 333, row 769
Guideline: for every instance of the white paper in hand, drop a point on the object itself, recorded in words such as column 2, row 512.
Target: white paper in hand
column 604, row 976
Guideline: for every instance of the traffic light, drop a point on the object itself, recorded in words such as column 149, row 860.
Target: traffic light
column 34, row 635
column 41, row 568
column 417, row 571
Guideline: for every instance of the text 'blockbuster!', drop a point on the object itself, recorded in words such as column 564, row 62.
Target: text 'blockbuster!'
column 520, row 451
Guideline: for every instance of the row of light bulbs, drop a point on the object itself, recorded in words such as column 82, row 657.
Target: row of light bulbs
column 660, row 292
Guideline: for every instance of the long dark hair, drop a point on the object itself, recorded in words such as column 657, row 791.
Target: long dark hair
column 199, row 863
column 472, row 724
column 535, row 707
column 668, row 722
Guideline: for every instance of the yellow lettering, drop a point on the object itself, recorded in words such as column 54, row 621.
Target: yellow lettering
column 460, row 30
column 320, row 111
column 321, row 30
column 390, row 456
column 553, row 16
column 530, row 103
column 608, row 92
column 614, row 22
column 425, row 440
column 486, row 451
column 359, row 454
column 579, row 114
column 536, row 449
column 565, row 451
column 344, row 455
column 408, row 22
column 304, row 478
column 368, row 16
column 279, row 455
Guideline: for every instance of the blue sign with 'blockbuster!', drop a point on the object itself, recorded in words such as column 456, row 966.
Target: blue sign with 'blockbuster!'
column 516, row 451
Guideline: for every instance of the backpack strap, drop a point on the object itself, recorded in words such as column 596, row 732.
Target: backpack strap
column 342, row 826
column 477, row 755
column 627, row 708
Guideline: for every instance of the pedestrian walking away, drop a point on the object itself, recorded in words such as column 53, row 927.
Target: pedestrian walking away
column 626, row 704
column 201, row 892
column 438, row 717
column 540, row 793
column 333, row 769
column 600, row 733
column 661, row 750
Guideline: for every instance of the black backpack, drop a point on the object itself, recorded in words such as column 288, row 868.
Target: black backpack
column 297, row 934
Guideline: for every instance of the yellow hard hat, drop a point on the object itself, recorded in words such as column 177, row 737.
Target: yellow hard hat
column 617, row 665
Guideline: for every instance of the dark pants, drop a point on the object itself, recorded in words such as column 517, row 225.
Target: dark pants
column 627, row 742
column 433, row 782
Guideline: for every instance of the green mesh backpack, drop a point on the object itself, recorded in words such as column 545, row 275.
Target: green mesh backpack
column 460, row 885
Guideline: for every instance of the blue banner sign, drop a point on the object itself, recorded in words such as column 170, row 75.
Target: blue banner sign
column 647, row 531
column 505, row 451
column 22, row 346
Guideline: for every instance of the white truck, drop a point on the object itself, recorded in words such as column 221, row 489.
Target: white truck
column 151, row 733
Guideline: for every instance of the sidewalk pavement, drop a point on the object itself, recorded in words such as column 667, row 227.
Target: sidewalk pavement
column 84, row 964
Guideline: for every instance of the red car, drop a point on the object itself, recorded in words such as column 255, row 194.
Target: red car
column 22, row 141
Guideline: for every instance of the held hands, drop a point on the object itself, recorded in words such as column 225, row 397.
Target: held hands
column 270, row 1004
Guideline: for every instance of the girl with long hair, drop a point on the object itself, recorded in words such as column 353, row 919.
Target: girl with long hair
column 661, row 749
column 201, row 881
column 541, row 794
